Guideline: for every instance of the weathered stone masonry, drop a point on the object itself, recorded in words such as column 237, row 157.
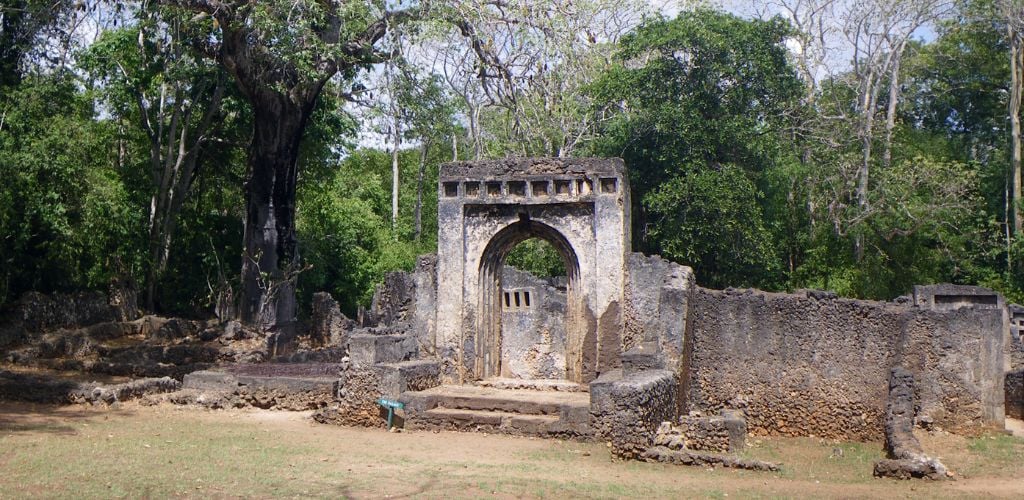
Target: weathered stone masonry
column 580, row 206
column 812, row 364
column 646, row 343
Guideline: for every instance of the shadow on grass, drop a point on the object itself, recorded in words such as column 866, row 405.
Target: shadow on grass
column 37, row 403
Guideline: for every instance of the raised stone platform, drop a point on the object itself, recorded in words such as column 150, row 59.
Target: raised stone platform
column 287, row 377
column 505, row 411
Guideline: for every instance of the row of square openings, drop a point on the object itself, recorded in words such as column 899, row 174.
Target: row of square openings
column 556, row 187
column 516, row 299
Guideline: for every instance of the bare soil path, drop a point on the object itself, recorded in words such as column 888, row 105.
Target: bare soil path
column 166, row 451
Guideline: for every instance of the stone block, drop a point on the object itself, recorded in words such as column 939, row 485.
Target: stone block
column 367, row 349
column 396, row 378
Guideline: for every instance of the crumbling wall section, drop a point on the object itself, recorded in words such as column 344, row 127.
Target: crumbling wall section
column 796, row 365
column 813, row 364
column 907, row 457
column 36, row 313
column 956, row 357
column 626, row 410
column 657, row 305
column 1014, row 382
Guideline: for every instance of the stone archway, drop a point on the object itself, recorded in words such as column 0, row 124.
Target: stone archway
column 489, row 331
column 581, row 206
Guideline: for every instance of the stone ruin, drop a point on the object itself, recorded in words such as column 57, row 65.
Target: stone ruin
column 629, row 350
column 626, row 348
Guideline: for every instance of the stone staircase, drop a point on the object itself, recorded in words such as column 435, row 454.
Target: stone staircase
column 542, row 413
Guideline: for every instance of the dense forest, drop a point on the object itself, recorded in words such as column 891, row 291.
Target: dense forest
column 228, row 155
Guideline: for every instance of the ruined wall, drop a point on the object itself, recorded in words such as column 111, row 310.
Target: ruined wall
column 657, row 305
column 532, row 327
column 35, row 312
column 812, row 364
column 795, row 364
column 956, row 357
column 627, row 409
column 1014, row 397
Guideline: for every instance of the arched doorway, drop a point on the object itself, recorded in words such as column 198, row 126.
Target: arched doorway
column 581, row 206
column 489, row 340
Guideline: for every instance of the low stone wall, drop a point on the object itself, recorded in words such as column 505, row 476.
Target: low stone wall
column 626, row 410
column 721, row 433
column 36, row 313
column 812, row 364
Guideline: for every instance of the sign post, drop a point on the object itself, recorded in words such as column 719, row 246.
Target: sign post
column 391, row 405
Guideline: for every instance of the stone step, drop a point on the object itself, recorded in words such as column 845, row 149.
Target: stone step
column 493, row 421
column 398, row 378
column 524, row 412
column 533, row 385
column 529, row 402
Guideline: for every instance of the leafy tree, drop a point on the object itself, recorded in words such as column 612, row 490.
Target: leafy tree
column 281, row 55
column 66, row 218
column 696, row 106
column 150, row 77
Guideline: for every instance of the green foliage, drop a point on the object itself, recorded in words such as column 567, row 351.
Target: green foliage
column 537, row 257
column 737, row 168
column 710, row 218
column 695, row 111
column 344, row 223
column 65, row 214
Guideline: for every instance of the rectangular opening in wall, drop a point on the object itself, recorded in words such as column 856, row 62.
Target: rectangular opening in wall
column 966, row 300
column 609, row 185
column 494, row 189
column 562, row 186
column 508, row 303
column 526, row 298
column 584, row 186
column 473, row 188
column 517, row 299
column 517, row 188
column 540, row 188
column 451, row 189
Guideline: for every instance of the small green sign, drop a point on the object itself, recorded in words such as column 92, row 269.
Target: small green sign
column 387, row 403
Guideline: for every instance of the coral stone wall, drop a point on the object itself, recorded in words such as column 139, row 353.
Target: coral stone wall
column 813, row 365
column 532, row 327
column 795, row 365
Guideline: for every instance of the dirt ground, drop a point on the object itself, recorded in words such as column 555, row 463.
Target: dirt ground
column 168, row 451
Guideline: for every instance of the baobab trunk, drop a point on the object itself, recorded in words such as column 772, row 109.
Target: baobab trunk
column 270, row 264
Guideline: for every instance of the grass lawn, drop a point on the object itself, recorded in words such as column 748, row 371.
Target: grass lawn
column 166, row 451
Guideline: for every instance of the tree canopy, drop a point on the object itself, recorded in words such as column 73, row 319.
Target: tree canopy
column 234, row 157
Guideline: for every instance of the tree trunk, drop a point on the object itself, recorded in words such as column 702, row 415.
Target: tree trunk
column 173, row 181
column 419, row 188
column 11, row 47
column 271, row 261
column 1016, row 65
column 890, row 113
column 397, row 138
column 867, row 124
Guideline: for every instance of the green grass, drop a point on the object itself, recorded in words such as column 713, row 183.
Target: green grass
column 192, row 453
